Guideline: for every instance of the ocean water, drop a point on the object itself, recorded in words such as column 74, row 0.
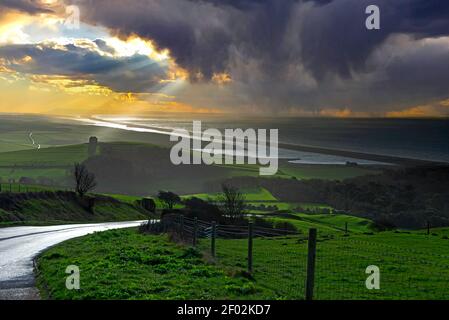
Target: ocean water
column 426, row 139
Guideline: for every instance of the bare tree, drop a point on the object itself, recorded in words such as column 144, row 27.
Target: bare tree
column 84, row 180
column 232, row 202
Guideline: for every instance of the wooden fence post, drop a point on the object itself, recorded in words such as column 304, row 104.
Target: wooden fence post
column 195, row 230
column 428, row 227
column 164, row 224
column 213, row 236
column 311, row 255
column 346, row 228
column 182, row 226
column 250, row 247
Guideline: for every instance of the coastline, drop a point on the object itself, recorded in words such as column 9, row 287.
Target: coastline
column 381, row 158
column 402, row 161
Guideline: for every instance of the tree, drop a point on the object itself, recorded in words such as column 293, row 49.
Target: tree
column 84, row 180
column 232, row 202
column 168, row 198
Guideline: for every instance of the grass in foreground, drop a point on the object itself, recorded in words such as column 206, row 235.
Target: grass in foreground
column 124, row 264
column 409, row 269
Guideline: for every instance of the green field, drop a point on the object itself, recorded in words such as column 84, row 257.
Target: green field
column 24, row 188
column 57, row 132
column 124, row 264
column 53, row 163
column 56, row 156
column 413, row 265
column 409, row 270
column 256, row 194
column 50, row 164
column 325, row 172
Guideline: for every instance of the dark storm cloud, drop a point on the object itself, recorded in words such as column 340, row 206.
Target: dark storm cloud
column 28, row 6
column 335, row 39
column 136, row 73
column 202, row 35
column 291, row 52
column 240, row 4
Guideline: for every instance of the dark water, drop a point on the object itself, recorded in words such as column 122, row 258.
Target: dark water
column 412, row 138
column 421, row 139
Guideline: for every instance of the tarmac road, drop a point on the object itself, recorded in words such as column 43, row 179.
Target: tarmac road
column 20, row 245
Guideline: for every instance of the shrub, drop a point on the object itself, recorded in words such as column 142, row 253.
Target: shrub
column 383, row 224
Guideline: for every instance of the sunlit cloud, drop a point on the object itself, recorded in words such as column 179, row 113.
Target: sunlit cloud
column 439, row 109
column 221, row 78
column 217, row 55
column 11, row 28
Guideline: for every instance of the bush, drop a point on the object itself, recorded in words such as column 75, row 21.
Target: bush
column 147, row 204
column 285, row 225
column 202, row 210
column 383, row 224
column 26, row 180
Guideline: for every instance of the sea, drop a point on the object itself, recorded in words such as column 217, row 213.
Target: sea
column 425, row 139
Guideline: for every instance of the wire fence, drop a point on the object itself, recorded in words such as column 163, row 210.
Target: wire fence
column 288, row 264
column 25, row 188
column 344, row 266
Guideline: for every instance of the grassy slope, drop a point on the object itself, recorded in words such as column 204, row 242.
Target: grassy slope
column 126, row 265
column 122, row 264
column 6, row 146
column 330, row 223
column 413, row 265
column 409, row 270
column 61, row 158
column 257, row 194
column 54, row 209
column 57, row 156
column 65, row 156
column 325, row 172
column 22, row 188
column 49, row 132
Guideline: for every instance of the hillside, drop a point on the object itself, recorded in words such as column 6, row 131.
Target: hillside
column 64, row 207
column 153, row 267
column 406, row 198
column 142, row 169
column 47, row 166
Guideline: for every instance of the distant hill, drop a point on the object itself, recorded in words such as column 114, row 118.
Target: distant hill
column 408, row 198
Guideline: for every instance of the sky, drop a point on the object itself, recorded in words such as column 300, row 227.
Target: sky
column 260, row 57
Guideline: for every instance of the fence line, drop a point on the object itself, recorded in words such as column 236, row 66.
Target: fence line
column 292, row 265
column 26, row 188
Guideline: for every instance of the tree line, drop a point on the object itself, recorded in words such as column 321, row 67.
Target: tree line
column 407, row 198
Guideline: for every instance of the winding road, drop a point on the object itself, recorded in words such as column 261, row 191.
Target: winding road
column 20, row 245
